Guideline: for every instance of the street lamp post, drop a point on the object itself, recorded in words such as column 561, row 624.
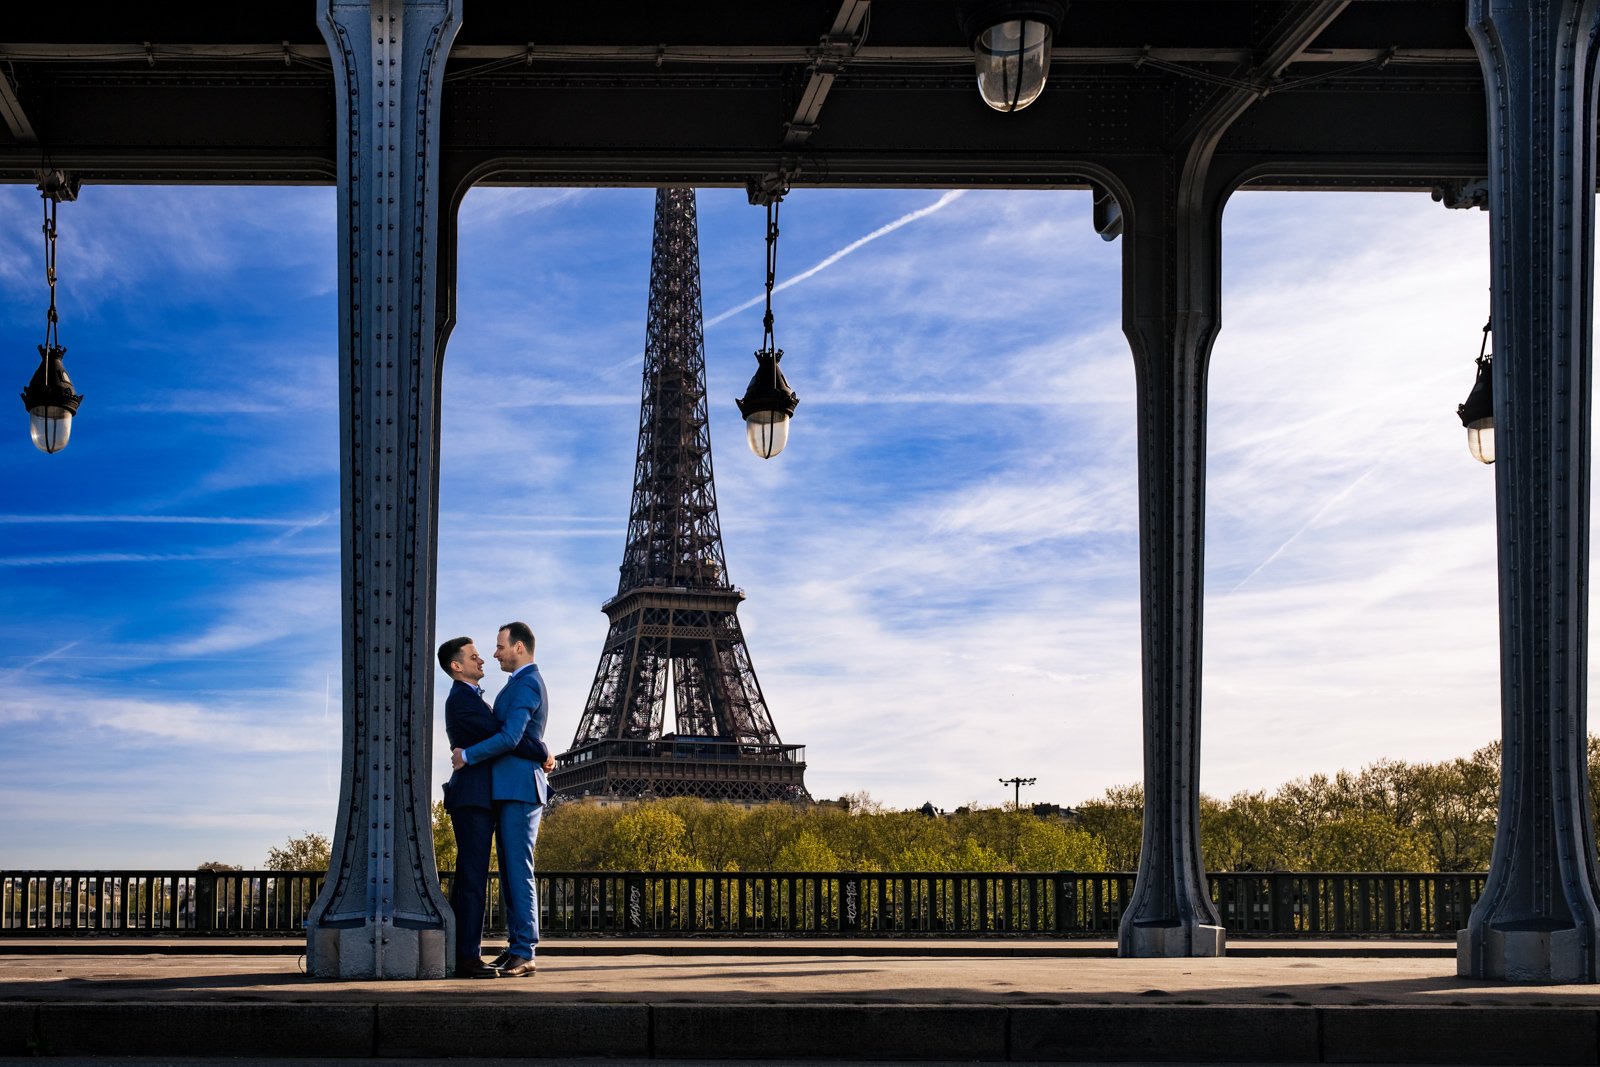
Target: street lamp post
column 1017, row 784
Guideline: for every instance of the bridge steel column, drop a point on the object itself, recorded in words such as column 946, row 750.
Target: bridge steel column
column 1538, row 915
column 381, row 913
column 1172, row 300
column 1171, row 304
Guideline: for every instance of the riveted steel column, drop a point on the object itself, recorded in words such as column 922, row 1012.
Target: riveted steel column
column 1538, row 916
column 381, row 913
column 1171, row 271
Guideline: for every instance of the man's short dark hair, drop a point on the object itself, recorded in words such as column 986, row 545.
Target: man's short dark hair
column 519, row 631
column 450, row 651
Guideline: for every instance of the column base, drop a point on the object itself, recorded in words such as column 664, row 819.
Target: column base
column 1175, row 940
column 348, row 952
column 1529, row 955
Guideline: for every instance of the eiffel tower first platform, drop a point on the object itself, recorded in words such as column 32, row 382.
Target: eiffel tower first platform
column 674, row 622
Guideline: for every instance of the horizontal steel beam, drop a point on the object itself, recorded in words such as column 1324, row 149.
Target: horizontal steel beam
column 660, row 55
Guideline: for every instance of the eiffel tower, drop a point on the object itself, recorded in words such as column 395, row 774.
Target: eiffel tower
column 674, row 627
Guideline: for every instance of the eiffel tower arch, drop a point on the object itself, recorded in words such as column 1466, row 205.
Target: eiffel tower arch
column 674, row 622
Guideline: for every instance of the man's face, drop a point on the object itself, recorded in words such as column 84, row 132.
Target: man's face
column 505, row 653
column 469, row 663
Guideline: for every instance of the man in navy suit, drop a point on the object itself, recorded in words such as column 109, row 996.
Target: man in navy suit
column 518, row 787
column 468, row 797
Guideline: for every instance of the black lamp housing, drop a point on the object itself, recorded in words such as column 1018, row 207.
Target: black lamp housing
column 50, row 401
column 1477, row 414
column 767, row 405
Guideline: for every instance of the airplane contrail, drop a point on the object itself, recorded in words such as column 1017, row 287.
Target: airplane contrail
column 886, row 228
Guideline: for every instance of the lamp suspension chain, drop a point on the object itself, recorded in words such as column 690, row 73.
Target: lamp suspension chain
column 52, row 320
column 772, row 272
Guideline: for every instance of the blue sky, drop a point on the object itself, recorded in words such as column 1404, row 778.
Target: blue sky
column 941, row 568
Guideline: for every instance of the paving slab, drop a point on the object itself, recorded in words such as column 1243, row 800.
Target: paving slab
column 1288, row 1009
column 122, row 944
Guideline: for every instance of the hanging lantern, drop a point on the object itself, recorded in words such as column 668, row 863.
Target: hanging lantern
column 1477, row 414
column 50, row 401
column 768, row 402
column 49, row 398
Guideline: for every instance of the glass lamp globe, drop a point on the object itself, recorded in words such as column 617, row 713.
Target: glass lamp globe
column 766, row 406
column 767, row 432
column 50, row 428
column 1013, row 60
column 1480, row 440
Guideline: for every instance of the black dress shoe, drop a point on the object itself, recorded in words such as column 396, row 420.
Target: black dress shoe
column 475, row 968
column 500, row 960
column 517, row 967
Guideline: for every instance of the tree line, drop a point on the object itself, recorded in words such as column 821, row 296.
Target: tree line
column 1389, row 816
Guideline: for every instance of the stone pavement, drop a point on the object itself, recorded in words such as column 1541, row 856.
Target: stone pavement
column 803, row 1000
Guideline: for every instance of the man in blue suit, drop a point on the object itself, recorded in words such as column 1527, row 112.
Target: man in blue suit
column 518, row 788
column 469, row 799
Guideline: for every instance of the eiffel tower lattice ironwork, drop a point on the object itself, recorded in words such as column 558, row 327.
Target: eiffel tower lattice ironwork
column 673, row 621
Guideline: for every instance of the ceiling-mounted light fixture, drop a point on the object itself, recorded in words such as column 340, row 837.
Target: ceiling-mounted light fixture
column 1477, row 414
column 1011, row 40
column 49, row 398
column 768, row 402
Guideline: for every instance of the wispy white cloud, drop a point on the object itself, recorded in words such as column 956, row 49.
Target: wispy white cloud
column 170, row 520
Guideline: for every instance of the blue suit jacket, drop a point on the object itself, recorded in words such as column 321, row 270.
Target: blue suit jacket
column 468, row 720
column 521, row 708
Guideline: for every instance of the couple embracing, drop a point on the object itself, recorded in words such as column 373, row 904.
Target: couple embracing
column 498, row 791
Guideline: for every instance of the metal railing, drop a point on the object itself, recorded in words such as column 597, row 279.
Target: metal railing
column 1063, row 904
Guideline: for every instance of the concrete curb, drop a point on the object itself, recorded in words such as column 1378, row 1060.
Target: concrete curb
column 1215, row 1033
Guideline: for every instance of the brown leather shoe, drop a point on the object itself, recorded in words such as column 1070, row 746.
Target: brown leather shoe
column 500, row 960
column 517, row 967
column 472, row 967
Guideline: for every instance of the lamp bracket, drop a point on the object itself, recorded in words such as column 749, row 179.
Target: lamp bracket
column 1463, row 193
column 58, row 185
column 770, row 188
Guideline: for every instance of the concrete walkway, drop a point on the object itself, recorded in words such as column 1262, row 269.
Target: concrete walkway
column 829, row 1000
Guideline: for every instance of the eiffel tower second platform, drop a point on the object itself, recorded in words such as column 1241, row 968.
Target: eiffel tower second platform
column 674, row 622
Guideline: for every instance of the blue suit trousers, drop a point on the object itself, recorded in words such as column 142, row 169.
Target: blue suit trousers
column 474, row 829
column 517, row 823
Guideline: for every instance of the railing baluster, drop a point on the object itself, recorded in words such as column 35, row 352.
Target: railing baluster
column 245, row 903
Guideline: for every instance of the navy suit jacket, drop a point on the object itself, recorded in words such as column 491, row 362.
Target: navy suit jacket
column 468, row 720
column 522, row 710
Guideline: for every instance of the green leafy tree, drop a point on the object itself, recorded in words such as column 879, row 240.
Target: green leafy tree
column 1365, row 841
column 712, row 831
column 1117, row 819
column 807, row 851
column 217, row 865
column 308, row 852
column 444, row 839
column 576, row 837
column 649, row 838
column 764, row 831
column 1246, row 833
column 1046, row 845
